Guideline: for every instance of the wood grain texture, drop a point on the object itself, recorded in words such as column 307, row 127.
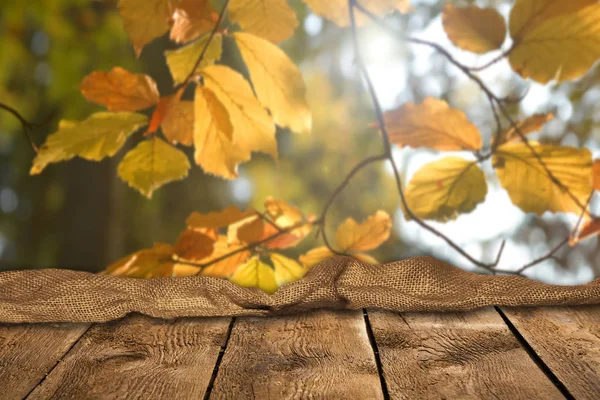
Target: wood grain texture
column 455, row 355
column 29, row 351
column 567, row 339
column 319, row 355
column 139, row 358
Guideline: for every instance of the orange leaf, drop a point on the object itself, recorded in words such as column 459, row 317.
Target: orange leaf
column 148, row 263
column 120, row 90
column 589, row 229
column 596, row 174
column 191, row 19
column 193, row 245
column 226, row 267
column 218, row 219
column 432, row 124
column 527, row 126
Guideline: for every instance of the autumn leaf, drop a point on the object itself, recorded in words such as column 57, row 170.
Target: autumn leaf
column 277, row 81
column 443, row 189
column 554, row 40
column 286, row 269
column 120, row 90
column 218, row 219
column 181, row 61
column 99, row 136
column 528, row 184
column 215, row 151
column 149, row 263
column 315, row 256
column 351, row 236
column 475, row 29
column 191, row 19
column 273, row 20
column 193, row 245
column 589, row 229
column 255, row 273
column 527, row 126
column 145, row 20
column 432, row 124
column 178, row 123
column 253, row 127
column 152, row 164
column 596, row 174
column 337, row 10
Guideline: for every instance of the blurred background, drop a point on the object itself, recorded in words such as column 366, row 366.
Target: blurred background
column 79, row 215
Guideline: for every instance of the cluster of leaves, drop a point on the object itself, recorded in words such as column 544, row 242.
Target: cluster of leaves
column 230, row 118
column 245, row 246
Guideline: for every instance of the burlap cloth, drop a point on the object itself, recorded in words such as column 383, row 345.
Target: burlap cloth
column 417, row 284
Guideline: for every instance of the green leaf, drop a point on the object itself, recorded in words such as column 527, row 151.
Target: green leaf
column 152, row 164
column 182, row 60
column 99, row 136
column 443, row 189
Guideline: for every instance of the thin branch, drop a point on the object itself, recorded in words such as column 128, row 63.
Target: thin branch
column 27, row 126
column 352, row 4
column 494, row 61
column 210, row 38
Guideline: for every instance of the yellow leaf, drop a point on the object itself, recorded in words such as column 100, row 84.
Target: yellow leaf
column 191, row 19
column 278, row 82
column 271, row 19
column 218, row 219
column 432, row 124
column 145, row 20
column 286, row 269
column 370, row 234
column 337, row 10
column 120, row 90
column 193, row 245
column 213, row 137
column 99, row 136
column 529, row 185
column 474, row 29
column 152, row 164
column 527, row 126
column 554, row 39
column 255, row 273
column 253, row 128
column 443, row 189
column 182, row 60
column 149, row 263
column 315, row 256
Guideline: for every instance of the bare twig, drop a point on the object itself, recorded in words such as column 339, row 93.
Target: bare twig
column 208, row 42
column 27, row 126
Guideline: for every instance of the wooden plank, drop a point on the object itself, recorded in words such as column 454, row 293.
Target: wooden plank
column 455, row 355
column 322, row 354
column 29, row 351
column 567, row 339
column 139, row 358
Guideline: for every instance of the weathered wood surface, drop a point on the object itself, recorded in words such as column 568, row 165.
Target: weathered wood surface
column 29, row 352
column 543, row 353
column 319, row 355
column 466, row 355
column 567, row 339
column 139, row 358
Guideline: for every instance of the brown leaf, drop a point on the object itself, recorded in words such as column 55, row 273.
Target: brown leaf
column 120, row 90
column 191, row 19
column 193, row 245
column 218, row 219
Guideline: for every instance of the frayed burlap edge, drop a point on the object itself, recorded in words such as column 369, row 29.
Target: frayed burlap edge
column 416, row 284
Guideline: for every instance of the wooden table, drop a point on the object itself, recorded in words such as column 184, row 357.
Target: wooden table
column 543, row 353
